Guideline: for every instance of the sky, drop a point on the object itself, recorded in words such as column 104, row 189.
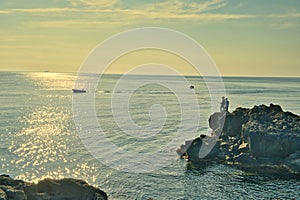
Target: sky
column 243, row 37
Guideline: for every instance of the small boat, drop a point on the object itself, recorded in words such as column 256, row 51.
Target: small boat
column 78, row 91
column 192, row 87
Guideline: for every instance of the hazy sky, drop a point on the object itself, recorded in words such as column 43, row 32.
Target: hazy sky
column 244, row 37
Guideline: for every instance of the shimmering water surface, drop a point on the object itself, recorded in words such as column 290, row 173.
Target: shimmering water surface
column 38, row 138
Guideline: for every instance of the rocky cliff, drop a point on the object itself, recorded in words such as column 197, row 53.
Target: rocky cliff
column 261, row 139
column 48, row 189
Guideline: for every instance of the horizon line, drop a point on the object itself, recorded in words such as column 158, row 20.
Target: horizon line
column 188, row 75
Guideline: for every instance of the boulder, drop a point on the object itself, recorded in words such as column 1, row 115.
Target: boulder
column 48, row 189
column 264, row 138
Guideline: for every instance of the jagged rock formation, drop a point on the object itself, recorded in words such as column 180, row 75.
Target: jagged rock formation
column 48, row 189
column 261, row 139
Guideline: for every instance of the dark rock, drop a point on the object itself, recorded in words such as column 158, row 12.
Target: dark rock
column 15, row 194
column 244, row 158
column 12, row 192
column 48, row 189
column 234, row 121
column 183, row 148
column 271, row 144
column 293, row 161
column 195, row 152
column 264, row 137
column 217, row 120
column 202, row 136
column 8, row 181
column 243, row 148
column 69, row 188
column 3, row 195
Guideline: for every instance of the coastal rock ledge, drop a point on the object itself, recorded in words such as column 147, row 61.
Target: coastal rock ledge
column 263, row 139
column 48, row 189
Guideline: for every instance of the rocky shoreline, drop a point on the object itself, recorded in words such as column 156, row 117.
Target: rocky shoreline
column 263, row 139
column 48, row 189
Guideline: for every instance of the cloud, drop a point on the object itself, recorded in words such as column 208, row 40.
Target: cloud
column 169, row 6
column 4, row 12
column 17, row 46
column 101, row 3
column 130, row 20
column 120, row 18
column 282, row 25
column 72, row 23
column 44, row 10
column 282, row 16
column 283, row 21
column 114, row 12
column 182, row 7
column 18, row 38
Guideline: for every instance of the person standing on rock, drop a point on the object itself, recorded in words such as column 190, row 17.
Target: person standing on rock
column 226, row 104
column 222, row 107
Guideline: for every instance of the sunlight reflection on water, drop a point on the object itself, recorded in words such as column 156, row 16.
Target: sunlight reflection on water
column 46, row 139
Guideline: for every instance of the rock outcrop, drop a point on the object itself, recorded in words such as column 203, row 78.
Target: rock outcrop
column 261, row 139
column 48, row 189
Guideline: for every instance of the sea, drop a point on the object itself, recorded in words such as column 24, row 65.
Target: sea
column 42, row 136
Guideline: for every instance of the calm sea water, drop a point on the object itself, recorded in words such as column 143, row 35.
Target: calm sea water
column 38, row 137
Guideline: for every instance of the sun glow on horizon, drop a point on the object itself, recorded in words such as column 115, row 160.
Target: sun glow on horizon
column 253, row 38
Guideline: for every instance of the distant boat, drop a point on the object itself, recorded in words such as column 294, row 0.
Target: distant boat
column 192, row 87
column 78, row 91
